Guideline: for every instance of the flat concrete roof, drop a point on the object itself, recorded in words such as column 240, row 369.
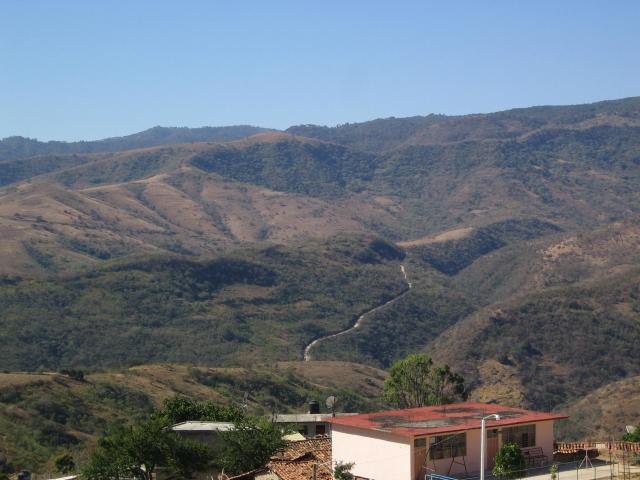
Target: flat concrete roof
column 432, row 420
column 193, row 426
column 307, row 417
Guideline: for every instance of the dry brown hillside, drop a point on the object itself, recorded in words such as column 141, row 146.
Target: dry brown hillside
column 518, row 231
column 604, row 412
column 44, row 414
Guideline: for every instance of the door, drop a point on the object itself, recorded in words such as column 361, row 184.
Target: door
column 493, row 444
column 419, row 457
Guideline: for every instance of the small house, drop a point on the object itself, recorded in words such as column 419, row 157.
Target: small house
column 304, row 460
column 444, row 439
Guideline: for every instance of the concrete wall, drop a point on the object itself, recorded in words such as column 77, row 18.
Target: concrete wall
column 544, row 437
column 376, row 455
column 445, row 466
column 382, row 456
column 473, row 451
column 310, row 429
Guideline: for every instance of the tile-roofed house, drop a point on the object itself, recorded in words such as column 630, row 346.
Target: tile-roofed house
column 321, row 447
column 296, row 462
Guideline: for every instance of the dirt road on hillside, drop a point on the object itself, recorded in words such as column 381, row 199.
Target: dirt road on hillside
column 360, row 320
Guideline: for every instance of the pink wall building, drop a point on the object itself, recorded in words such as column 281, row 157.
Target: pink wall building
column 409, row 444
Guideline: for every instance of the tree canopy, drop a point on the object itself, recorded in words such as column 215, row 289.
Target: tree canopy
column 136, row 452
column 181, row 409
column 632, row 436
column 342, row 471
column 416, row 382
column 509, row 462
column 250, row 444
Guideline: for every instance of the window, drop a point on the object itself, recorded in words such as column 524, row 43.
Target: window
column 524, row 436
column 448, row 446
column 420, row 442
column 320, row 429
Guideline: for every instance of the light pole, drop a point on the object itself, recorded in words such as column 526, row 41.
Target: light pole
column 483, row 435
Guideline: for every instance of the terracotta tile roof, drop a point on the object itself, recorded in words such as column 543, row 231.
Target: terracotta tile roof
column 296, row 462
column 301, row 468
column 318, row 446
column 248, row 475
column 441, row 419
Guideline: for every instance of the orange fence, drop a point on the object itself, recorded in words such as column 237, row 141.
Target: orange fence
column 575, row 447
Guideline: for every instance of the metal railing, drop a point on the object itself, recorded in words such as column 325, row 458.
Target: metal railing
column 573, row 470
column 435, row 476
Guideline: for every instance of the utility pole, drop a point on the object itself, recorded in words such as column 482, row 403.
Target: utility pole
column 483, row 434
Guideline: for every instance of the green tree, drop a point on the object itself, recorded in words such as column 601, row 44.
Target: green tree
column 136, row 452
column 64, row 463
column 633, row 436
column 180, row 409
column 343, row 471
column 509, row 462
column 250, row 444
column 415, row 382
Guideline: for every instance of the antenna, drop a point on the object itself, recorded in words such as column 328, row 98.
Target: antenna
column 331, row 404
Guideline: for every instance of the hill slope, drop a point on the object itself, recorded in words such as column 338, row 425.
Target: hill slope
column 519, row 229
column 48, row 414
column 13, row 148
column 254, row 305
column 386, row 134
column 566, row 176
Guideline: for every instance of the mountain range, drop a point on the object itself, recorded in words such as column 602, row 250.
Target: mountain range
column 519, row 232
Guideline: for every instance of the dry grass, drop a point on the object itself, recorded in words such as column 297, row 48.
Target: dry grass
column 498, row 384
column 203, row 213
column 605, row 410
column 159, row 382
column 455, row 234
column 12, row 380
column 353, row 376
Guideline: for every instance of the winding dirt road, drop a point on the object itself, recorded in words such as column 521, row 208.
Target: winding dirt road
column 361, row 318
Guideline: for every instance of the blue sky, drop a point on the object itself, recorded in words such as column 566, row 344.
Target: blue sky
column 74, row 70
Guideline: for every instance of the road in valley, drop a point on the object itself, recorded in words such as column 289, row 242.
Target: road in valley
column 360, row 320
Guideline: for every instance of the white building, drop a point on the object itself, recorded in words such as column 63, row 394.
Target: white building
column 408, row 444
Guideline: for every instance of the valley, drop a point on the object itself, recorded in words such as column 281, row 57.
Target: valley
column 305, row 262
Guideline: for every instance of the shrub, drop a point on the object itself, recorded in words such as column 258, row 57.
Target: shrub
column 509, row 462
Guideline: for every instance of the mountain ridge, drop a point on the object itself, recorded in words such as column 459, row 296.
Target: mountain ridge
column 519, row 232
column 16, row 147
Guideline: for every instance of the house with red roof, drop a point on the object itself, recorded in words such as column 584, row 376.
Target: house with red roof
column 445, row 439
column 302, row 460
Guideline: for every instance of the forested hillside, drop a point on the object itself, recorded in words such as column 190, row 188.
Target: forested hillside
column 518, row 231
column 45, row 415
column 249, row 306
column 13, row 148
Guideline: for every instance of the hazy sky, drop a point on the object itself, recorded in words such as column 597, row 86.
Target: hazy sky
column 89, row 69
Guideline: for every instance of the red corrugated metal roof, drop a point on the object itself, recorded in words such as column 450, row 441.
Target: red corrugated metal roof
column 440, row 419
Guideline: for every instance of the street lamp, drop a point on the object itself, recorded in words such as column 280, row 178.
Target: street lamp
column 483, row 435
